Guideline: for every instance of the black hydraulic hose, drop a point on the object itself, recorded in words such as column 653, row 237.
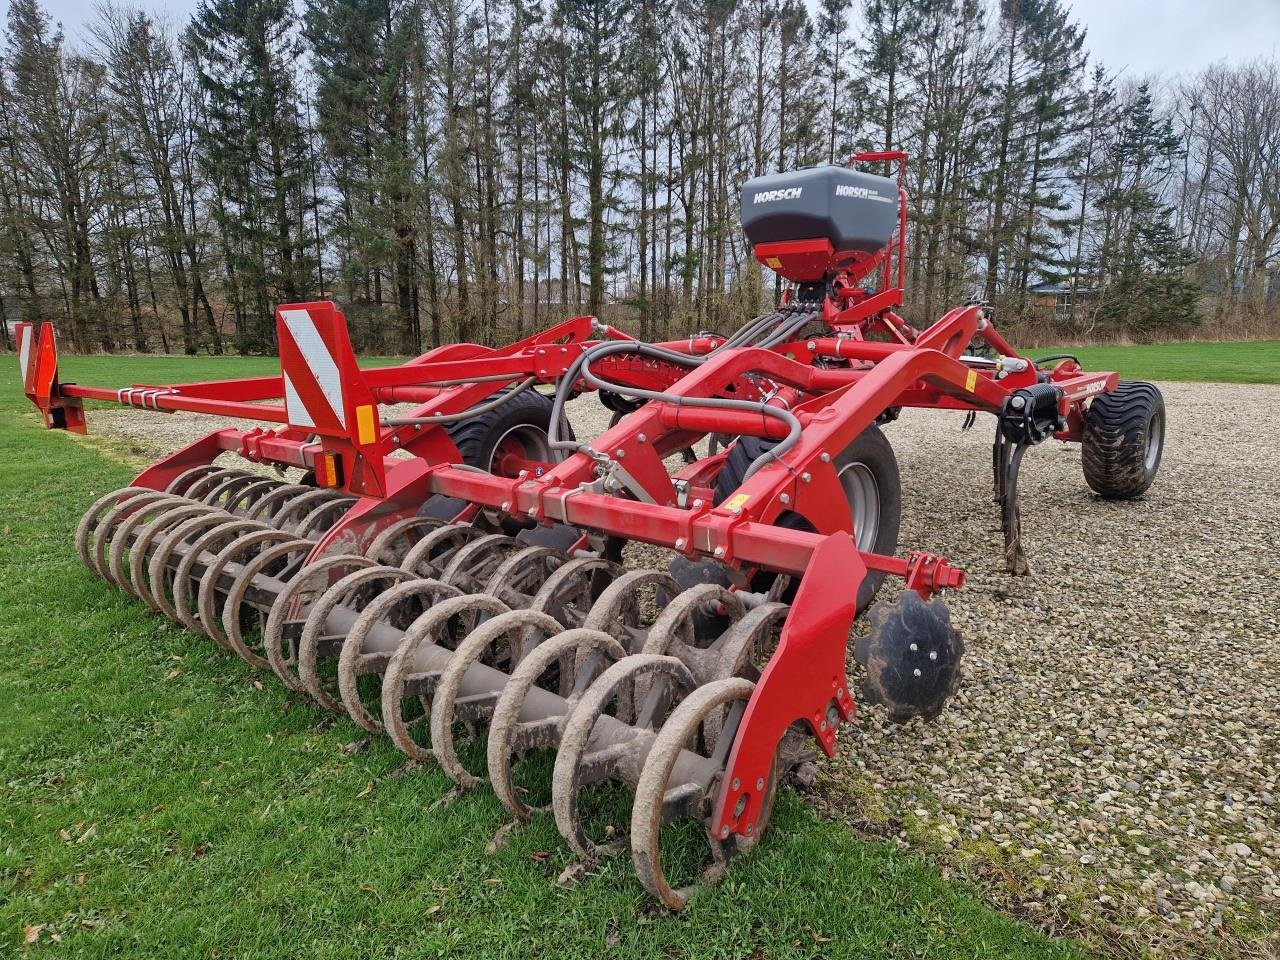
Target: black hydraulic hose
column 574, row 373
column 752, row 330
column 780, row 325
column 789, row 330
column 1056, row 356
column 475, row 411
column 748, row 332
column 715, row 403
column 766, row 330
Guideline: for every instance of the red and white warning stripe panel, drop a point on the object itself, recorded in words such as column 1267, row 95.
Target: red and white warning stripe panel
column 26, row 334
column 322, row 386
column 315, row 398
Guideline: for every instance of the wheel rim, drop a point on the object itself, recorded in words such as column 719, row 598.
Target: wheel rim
column 1155, row 441
column 863, row 493
column 524, row 441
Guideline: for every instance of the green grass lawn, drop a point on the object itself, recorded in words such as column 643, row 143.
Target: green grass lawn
column 1255, row 361
column 161, row 800
column 107, row 371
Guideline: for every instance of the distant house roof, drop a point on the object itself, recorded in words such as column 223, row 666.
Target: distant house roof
column 1053, row 289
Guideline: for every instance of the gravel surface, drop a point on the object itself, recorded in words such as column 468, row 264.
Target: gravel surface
column 1113, row 754
column 1111, row 765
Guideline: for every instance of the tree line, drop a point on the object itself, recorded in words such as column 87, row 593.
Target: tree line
column 476, row 169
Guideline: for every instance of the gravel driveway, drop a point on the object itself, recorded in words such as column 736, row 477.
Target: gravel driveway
column 1111, row 765
column 1113, row 754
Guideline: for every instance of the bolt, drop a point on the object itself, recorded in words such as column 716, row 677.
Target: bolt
column 785, row 498
column 719, row 551
column 840, row 692
column 697, row 504
column 933, row 654
column 620, row 453
column 812, row 345
column 916, row 671
column 826, row 457
column 533, row 511
column 751, row 829
column 522, row 474
column 736, row 783
column 806, row 477
column 1017, row 403
column 679, row 543
column 417, row 428
column 760, row 783
column 506, row 506
column 642, row 438
column 915, row 647
column 724, row 831
column 822, row 725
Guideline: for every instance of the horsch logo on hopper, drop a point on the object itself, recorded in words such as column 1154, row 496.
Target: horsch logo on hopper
column 768, row 196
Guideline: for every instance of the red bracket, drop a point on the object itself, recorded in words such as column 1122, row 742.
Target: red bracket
column 804, row 678
column 38, row 357
column 407, row 490
column 554, row 360
column 928, row 573
column 251, row 444
column 325, row 392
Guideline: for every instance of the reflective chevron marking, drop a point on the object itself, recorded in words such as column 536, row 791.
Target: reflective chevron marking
column 26, row 334
column 317, row 400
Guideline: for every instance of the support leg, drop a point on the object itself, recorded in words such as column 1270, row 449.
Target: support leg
column 1006, row 460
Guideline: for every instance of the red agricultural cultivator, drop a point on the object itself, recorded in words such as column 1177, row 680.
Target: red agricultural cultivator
column 452, row 574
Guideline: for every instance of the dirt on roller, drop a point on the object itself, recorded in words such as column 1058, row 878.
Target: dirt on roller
column 1111, row 764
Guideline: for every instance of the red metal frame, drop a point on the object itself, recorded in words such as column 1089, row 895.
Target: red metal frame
column 837, row 384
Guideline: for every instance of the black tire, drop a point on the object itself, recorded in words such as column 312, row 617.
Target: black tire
column 872, row 476
column 523, row 420
column 619, row 405
column 1123, row 440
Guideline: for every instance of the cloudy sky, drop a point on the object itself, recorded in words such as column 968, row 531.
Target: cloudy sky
column 1174, row 36
column 1136, row 36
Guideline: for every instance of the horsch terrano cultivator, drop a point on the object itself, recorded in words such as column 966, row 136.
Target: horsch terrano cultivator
column 452, row 576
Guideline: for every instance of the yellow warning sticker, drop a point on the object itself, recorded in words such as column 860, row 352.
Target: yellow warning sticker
column 737, row 501
column 366, row 425
column 773, row 262
column 971, row 381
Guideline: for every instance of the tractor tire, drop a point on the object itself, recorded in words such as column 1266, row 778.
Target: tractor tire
column 1123, row 440
column 868, row 471
column 518, row 426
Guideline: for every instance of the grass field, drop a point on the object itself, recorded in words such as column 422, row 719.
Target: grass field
column 1256, row 361
column 161, row 800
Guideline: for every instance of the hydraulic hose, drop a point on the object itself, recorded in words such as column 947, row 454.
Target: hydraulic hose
column 479, row 409
column 764, row 331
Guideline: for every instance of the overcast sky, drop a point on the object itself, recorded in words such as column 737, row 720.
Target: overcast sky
column 1136, row 36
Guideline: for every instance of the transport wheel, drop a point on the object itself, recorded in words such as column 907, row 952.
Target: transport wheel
column 868, row 472
column 1123, row 440
column 504, row 439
